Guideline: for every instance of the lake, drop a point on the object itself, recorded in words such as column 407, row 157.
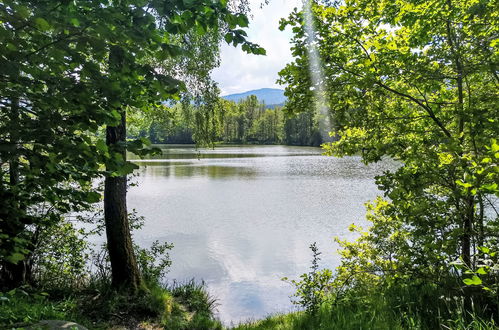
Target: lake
column 242, row 217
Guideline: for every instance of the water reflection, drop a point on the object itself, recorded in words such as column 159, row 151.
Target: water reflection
column 189, row 170
column 182, row 151
column 243, row 221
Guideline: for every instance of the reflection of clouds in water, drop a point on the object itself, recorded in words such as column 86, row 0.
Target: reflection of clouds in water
column 252, row 286
column 243, row 296
column 247, row 300
column 245, row 278
column 241, row 224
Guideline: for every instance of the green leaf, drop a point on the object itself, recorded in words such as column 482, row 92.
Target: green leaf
column 22, row 11
column 242, row 20
column 492, row 187
column 10, row 46
column 464, row 184
column 475, row 280
column 481, row 271
column 127, row 169
column 15, row 257
column 42, row 24
column 93, row 197
column 484, row 249
column 101, row 145
column 75, row 22
column 116, row 114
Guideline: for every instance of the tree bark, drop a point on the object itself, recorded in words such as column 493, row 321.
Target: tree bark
column 466, row 242
column 467, row 231
column 14, row 275
column 125, row 273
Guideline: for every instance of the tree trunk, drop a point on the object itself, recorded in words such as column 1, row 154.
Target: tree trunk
column 469, row 208
column 466, row 241
column 466, row 249
column 14, row 275
column 125, row 273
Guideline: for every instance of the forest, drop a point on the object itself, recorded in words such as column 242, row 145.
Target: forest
column 246, row 122
column 84, row 83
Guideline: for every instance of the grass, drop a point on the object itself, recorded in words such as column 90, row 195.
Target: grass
column 198, row 307
column 344, row 317
column 180, row 306
column 19, row 308
column 353, row 319
column 334, row 320
column 373, row 312
column 188, row 306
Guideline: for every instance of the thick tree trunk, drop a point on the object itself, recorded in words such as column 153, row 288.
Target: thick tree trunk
column 125, row 273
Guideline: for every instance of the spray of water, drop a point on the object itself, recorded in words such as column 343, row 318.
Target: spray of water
column 316, row 73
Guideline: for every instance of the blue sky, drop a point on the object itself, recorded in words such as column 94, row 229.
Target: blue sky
column 240, row 72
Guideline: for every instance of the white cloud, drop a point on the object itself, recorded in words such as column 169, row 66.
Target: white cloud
column 240, row 72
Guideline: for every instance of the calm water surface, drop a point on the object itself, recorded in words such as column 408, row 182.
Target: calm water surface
column 242, row 217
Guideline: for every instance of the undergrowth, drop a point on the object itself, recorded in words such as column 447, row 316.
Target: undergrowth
column 179, row 306
column 370, row 315
column 20, row 307
column 78, row 288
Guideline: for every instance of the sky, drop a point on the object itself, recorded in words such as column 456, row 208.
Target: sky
column 241, row 72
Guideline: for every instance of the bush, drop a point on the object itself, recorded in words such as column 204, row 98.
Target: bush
column 61, row 257
column 154, row 262
column 314, row 287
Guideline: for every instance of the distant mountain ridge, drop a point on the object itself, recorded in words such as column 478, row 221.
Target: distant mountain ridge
column 272, row 97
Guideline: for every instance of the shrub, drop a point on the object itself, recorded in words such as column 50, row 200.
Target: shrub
column 314, row 286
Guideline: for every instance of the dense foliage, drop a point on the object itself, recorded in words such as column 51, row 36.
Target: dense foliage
column 417, row 82
column 245, row 122
column 68, row 69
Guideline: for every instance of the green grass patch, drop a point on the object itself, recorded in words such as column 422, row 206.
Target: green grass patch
column 179, row 306
column 372, row 312
column 20, row 307
column 328, row 317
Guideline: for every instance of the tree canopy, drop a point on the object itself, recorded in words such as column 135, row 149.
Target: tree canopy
column 417, row 82
column 67, row 69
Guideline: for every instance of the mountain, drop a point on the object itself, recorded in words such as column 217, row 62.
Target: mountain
column 270, row 96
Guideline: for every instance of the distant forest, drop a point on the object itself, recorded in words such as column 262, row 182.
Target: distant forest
column 248, row 121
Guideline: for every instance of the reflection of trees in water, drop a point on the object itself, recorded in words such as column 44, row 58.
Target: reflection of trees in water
column 201, row 155
column 184, row 170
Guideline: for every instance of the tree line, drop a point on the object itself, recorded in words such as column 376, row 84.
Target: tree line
column 248, row 121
